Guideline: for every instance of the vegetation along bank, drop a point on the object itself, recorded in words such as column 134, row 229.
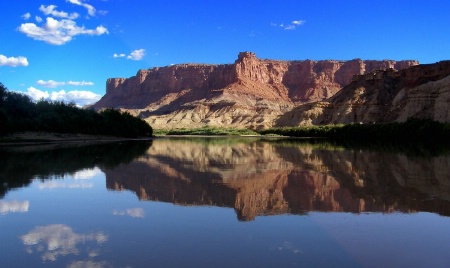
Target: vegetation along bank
column 19, row 113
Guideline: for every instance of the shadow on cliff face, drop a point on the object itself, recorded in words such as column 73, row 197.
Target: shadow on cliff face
column 21, row 164
column 190, row 100
column 381, row 96
column 260, row 178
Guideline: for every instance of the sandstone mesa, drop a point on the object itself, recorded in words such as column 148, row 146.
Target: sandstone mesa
column 259, row 93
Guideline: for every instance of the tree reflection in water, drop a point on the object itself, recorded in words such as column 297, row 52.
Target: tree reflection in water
column 20, row 164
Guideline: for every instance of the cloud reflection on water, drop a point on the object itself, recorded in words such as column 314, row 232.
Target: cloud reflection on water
column 53, row 241
column 82, row 175
column 87, row 174
column 88, row 264
column 132, row 212
column 55, row 185
column 13, row 206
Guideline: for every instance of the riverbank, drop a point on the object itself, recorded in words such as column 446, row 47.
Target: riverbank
column 31, row 138
column 206, row 131
column 411, row 131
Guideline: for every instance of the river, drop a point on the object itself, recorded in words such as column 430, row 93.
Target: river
column 223, row 202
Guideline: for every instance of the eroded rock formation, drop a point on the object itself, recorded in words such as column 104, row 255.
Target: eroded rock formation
column 250, row 93
column 421, row 91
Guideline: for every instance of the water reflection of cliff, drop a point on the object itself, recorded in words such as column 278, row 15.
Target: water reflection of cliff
column 20, row 164
column 263, row 178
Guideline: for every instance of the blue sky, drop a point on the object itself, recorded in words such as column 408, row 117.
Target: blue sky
column 66, row 49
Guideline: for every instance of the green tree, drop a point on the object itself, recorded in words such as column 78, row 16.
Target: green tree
column 3, row 92
column 19, row 113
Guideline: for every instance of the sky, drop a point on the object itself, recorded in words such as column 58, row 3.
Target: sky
column 67, row 49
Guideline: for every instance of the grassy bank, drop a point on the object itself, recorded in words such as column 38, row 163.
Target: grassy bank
column 415, row 137
column 304, row 131
column 207, row 131
column 413, row 130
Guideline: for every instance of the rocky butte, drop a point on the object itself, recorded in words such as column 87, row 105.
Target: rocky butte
column 250, row 93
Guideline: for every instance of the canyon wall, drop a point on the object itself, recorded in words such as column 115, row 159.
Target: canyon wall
column 251, row 92
column 421, row 91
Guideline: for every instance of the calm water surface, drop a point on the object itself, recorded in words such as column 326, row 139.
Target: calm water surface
column 222, row 203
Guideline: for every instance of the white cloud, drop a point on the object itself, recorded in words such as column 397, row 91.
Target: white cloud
column 50, row 83
column 80, row 84
column 53, row 241
column 90, row 9
column 13, row 206
column 56, row 32
column 292, row 26
column 138, row 54
column 85, row 97
column 298, row 22
column 53, row 84
column 79, row 97
column 38, row 19
column 36, row 94
column 121, row 55
column 51, row 10
column 13, row 61
column 26, row 16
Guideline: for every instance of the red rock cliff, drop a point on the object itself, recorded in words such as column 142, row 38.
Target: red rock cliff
column 231, row 94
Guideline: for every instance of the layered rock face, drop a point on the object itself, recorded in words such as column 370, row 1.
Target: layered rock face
column 250, row 93
column 421, row 91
